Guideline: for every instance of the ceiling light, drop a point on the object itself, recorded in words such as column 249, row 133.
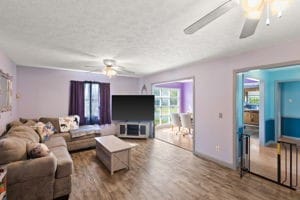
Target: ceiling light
column 108, row 71
column 252, row 8
column 252, row 5
column 109, row 62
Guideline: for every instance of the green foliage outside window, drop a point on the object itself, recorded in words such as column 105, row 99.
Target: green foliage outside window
column 253, row 100
column 166, row 102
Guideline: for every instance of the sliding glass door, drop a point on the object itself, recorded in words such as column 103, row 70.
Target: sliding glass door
column 167, row 101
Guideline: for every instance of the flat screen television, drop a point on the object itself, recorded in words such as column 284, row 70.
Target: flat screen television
column 133, row 107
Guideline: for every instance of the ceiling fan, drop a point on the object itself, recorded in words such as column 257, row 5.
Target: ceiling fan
column 112, row 69
column 253, row 10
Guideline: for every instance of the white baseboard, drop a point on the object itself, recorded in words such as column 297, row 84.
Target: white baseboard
column 219, row 162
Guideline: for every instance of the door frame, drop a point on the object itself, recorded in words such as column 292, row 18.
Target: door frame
column 235, row 164
column 261, row 126
column 194, row 109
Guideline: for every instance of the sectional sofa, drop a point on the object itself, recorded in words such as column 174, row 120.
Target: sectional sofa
column 81, row 138
column 46, row 177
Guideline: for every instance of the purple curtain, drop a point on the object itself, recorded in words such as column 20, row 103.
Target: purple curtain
column 76, row 105
column 105, row 103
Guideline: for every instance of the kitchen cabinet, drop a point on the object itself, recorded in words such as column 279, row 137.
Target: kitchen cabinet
column 251, row 117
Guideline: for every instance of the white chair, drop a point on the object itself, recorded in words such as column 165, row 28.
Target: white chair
column 186, row 121
column 175, row 121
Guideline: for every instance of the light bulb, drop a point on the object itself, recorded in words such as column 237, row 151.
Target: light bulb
column 268, row 22
column 253, row 3
column 108, row 71
column 250, row 5
column 252, row 8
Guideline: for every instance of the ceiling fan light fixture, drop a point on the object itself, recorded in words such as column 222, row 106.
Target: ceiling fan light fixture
column 252, row 5
column 253, row 15
column 252, row 8
column 108, row 71
column 109, row 62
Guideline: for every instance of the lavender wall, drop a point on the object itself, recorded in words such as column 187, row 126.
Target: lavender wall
column 45, row 92
column 186, row 94
column 7, row 66
column 214, row 94
column 188, row 97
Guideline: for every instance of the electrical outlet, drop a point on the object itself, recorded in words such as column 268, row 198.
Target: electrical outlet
column 220, row 115
column 217, row 148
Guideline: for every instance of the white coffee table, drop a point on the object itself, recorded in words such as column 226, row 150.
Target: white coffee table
column 113, row 152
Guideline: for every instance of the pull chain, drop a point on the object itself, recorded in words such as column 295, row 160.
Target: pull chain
column 268, row 21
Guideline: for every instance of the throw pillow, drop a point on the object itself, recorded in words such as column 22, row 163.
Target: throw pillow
column 44, row 130
column 64, row 123
column 25, row 133
column 74, row 123
column 12, row 149
column 37, row 150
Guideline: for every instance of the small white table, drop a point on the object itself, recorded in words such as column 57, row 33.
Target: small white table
column 113, row 152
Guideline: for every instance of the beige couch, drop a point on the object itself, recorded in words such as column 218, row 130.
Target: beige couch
column 47, row 177
column 73, row 143
column 44, row 178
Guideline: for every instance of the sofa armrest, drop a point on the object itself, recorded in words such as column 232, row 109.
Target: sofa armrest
column 26, row 170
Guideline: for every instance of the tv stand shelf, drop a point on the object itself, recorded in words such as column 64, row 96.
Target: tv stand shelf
column 134, row 129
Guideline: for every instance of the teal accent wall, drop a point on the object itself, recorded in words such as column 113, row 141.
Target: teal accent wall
column 270, row 78
column 239, row 102
column 290, row 99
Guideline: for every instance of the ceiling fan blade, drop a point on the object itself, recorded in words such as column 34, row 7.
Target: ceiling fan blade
column 122, row 69
column 249, row 28
column 219, row 11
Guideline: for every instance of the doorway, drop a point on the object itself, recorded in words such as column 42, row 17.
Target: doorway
column 269, row 142
column 174, row 112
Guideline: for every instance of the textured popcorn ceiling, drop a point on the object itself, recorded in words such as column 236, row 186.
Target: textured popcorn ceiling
column 145, row 36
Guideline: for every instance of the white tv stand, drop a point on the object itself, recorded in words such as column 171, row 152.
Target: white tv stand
column 134, row 129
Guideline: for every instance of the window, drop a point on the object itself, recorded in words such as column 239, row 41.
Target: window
column 91, row 102
column 166, row 102
column 253, row 97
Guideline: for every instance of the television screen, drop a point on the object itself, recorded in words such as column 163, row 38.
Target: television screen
column 133, row 107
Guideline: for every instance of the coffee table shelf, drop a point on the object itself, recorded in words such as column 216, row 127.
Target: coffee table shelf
column 113, row 152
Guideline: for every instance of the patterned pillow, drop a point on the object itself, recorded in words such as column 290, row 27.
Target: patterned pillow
column 74, row 123
column 44, row 130
column 69, row 123
column 37, row 150
column 64, row 123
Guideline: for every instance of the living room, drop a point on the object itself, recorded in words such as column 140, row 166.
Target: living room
column 45, row 45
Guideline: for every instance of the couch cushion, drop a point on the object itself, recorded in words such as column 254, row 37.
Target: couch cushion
column 13, row 123
column 24, row 120
column 66, row 136
column 64, row 162
column 25, row 133
column 12, row 149
column 85, row 130
column 53, row 120
column 56, row 142
column 30, row 123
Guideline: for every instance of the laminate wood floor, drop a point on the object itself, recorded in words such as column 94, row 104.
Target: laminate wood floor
column 163, row 171
column 175, row 137
column 264, row 161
